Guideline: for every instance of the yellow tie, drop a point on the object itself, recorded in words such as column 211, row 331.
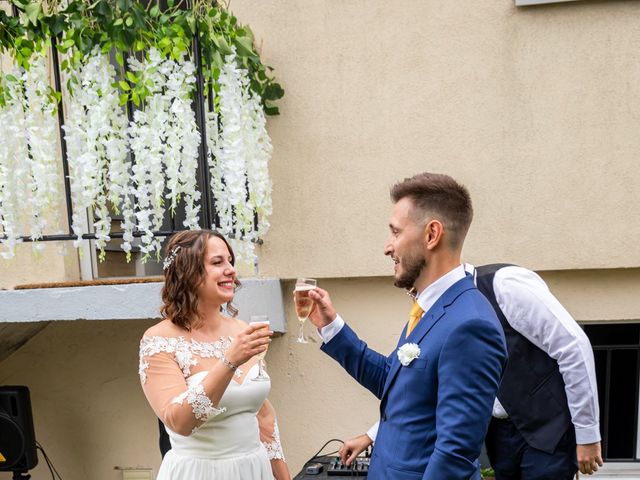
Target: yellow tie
column 414, row 317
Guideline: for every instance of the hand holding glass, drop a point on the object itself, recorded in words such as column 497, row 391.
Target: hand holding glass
column 303, row 303
column 261, row 320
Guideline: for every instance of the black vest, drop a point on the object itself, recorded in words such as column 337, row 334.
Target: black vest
column 532, row 389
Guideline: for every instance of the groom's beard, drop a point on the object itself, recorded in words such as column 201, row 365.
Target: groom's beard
column 412, row 266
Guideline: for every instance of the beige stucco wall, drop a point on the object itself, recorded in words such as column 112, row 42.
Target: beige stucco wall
column 46, row 266
column 90, row 414
column 535, row 109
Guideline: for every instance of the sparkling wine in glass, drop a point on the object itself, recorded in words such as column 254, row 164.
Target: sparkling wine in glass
column 261, row 320
column 303, row 303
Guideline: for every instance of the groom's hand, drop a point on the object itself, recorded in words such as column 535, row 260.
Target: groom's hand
column 323, row 312
column 589, row 457
column 354, row 447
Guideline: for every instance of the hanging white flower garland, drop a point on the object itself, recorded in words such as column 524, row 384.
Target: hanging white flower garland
column 183, row 139
column 13, row 171
column 163, row 139
column 42, row 138
column 240, row 150
column 260, row 148
column 96, row 146
column 29, row 177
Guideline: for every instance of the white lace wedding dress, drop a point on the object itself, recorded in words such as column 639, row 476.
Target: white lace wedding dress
column 233, row 441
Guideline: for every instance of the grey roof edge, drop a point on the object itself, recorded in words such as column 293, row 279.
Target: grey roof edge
column 257, row 296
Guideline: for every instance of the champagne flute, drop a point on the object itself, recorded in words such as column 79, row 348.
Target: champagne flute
column 260, row 320
column 303, row 303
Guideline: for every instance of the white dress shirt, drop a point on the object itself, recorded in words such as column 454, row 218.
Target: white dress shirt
column 533, row 311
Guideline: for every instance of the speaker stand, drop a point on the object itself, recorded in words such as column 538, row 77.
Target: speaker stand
column 21, row 476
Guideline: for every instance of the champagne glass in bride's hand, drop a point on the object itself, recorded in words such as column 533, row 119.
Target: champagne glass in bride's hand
column 260, row 320
column 303, row 303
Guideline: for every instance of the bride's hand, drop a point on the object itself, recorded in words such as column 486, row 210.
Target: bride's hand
column 248, row 343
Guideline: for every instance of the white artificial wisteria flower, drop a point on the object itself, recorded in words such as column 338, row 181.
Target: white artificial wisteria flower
column 231, row 151
column 164, row 140
column 14, row 173
column 43, row 160
column 96, row 145
column 183, row 140
column 241, row 151
column 29, row 176
column 260, row 150
column 147, row 138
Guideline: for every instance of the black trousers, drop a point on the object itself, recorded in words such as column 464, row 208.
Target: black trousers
column 513, row 459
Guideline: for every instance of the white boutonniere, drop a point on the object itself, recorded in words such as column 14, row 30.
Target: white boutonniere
column 408, row 352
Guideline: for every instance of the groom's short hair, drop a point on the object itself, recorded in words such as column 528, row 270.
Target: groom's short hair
column 439, row 196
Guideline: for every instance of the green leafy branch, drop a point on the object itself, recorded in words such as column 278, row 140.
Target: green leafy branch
column 129, row 27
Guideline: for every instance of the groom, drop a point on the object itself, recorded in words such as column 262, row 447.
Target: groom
column 437, row 388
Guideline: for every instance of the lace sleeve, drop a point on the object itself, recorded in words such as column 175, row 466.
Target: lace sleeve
column 181, row 407
column 269, row 433
column 201, row 405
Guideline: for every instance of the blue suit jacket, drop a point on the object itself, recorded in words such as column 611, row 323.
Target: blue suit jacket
column 434, row 412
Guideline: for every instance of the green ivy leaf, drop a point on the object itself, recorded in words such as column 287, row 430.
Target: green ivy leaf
column 124, row 85
column 273, row 91
column 271, row 109
column 225, row 49
column 217, row 62
column 244, row 46
column 32, row 11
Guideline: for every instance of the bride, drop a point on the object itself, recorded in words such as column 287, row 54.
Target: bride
column 196, row 369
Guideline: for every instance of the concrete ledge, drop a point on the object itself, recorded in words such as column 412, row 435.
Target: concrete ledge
column 617, row 471
column 258, row 296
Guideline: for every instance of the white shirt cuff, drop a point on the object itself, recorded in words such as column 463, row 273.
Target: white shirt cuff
column 586, row 435
column 329, row 331
column 372, row 433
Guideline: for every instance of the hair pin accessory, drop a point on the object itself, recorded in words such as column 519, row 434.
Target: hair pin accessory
column 170, row 258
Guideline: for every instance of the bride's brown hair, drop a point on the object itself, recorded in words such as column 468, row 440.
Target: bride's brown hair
column 184, row 272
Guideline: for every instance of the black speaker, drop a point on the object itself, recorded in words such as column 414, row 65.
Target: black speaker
column 17, row 437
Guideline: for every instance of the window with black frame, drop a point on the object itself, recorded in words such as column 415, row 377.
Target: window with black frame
column 616, row 350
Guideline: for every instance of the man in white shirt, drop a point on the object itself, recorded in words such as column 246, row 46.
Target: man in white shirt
column 546, row 415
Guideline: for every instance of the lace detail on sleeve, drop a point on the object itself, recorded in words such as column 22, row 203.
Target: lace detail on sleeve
column 184, row 352
column 274, row 448
column 201, row 405
column 180, row 348
column 142, row 370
